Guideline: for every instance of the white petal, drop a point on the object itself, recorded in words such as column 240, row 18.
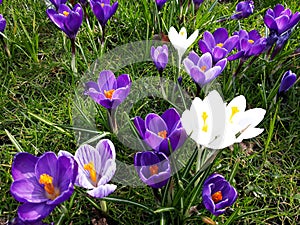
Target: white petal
column 191, row 39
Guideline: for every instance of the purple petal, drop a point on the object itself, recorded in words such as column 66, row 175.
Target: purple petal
column 230, row 43
column 153, row 140
column 278, row 10
column 194, row 57
column 123, row 80
column 204, row 47
column 235, row 56
column 155, row 123
column 32, row 212
column 220, row 35
column 211, row 74
column 209, row 40
column 270, row 22
column 254, row 35
column 219, row 53
column 23, row 166
column 46, row 165
column 282, row 23
column 139, row 123
column 171, row 118
column 222, row 63
column 107, row 81
column 205, row 61
column 197, row 75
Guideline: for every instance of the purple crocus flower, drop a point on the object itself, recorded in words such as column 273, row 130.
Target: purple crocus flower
column 243, row 10
column 160, row 3
column 18, row 221
column 288, row 80
column 103, row 10
column 96, row 167
column 159, row 56
column 157, row 131
column 218, row 194
column 109, row 91
column 249, row 44
column 201, row 68
column 2, row 23
column 153, row 168
column 41, row 183
column 218, row 43
column 69, row 21
column 57, row 3
column 280, row 20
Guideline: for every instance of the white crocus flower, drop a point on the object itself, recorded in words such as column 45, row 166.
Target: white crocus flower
column 180, row 40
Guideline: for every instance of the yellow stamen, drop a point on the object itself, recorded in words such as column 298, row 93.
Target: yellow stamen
column 220, row 45
column 216, row 197
column 91, row 168
column 153, row 169
column 47, row 181
column 250, row 41
column 66, row 13
column 234, row 110
column 163, row 134
column 182, row 33
column 109, row 94
column 204, row 117
column 203, row 68
column 102, row 5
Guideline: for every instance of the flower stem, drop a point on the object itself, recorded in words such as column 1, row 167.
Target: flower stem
column 5, row 47
column 103, row 36
column 239, row 68
column 103, row 206
column 199, row 161
column 73, row 62
column 112, row 120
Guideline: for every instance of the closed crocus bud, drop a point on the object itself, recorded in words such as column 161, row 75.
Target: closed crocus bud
column 288, row 80
column 159, row 56
column 2, row 23
column 243, row 10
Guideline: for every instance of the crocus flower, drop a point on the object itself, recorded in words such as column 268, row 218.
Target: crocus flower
column 41, row 183
column 280, row 42
column 218, row 43
column 153, row 168
column 288, row 80
column 243, row 10
column 103, row 10
column 160, row 3
column 280, row 20
column 18, row 221
column 201, row 69
column 249, row 44
column 159, row 56
column 69, row 21
column 109, row 91
column 180, row 40
column 2, row 23
column 96, row 168
column 218, row 194
column 157, row 131
column 57, row 3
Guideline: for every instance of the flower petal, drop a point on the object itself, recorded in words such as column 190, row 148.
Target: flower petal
column 32, row 212
column 102, row 190
column 23, row 166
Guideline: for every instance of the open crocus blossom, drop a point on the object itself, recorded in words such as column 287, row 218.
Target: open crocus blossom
column 158, row 131
column 249, row 44
column 201, row 69
column 2, row 23
column 109, row 91
column 218, row 194
column 243, row 10
column 96, row 168
column 153, row 168
column 180, row 40
column 159, row 56
column 103, row 10
column 57, row 3
column 41, row 183
column 69, row 21
column 218, row 43
column 288, row 80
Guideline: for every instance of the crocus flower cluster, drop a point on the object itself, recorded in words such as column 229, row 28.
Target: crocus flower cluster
column 288, row 80
column 218, row 194
column 216, row 125
column 109, row 91
column 103, row 10
column 41, row 183
column 159, row 57
column 243, row 10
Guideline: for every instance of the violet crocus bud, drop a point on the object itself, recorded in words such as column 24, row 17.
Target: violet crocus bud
column 288, row 80
column 159, row 56
column 243, row 10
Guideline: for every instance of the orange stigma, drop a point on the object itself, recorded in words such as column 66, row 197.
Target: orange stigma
column 220, row 45
column 102, row 5
column 66, row 13
column 47, row 181
column 203, row 68
column 250, row 41
column 91, row 168
column 109, row 94
column 205, row 126
column 216, row 197
column 153, row 169
column 163, row 134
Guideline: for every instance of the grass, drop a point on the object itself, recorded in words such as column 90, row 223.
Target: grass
column 37, row 99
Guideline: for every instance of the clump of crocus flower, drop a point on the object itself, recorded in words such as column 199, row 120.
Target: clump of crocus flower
column 41, row 183
column 218, row 194
column 201, row 68
column 153, row 168
column 218, row 44
column 159, row 57
column 158, row 131
column 288, row 80
column 103, row 12
column 243, row 10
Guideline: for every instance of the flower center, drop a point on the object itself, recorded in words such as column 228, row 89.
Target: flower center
column 109, row 94
column 153, row 169
column 47, row 181
column 220, row 45
column 66, row 13
column 216, row 197
column 250, row 41
column 162, row 134
column 204, row 117
column 182, row 33
column 91, row 168
column 234, row 110
column 203, row 68
column 102, row 5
